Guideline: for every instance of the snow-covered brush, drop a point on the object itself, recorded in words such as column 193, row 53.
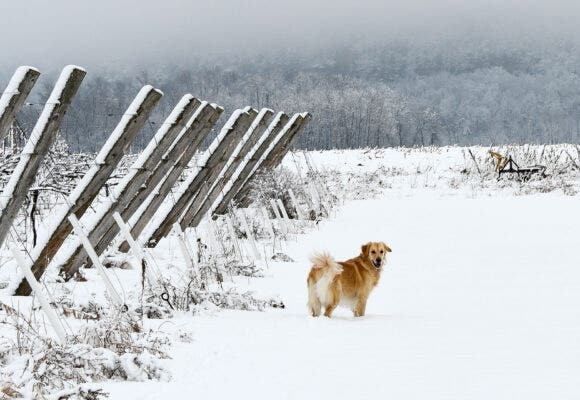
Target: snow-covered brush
column 115, row 347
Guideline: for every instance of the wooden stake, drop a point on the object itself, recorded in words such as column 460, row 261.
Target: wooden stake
column 279, row 124
column 89, row 186
column 14, row 96
column 131, row 183
column 200, row 127
column 204, row 199
column 41, row 138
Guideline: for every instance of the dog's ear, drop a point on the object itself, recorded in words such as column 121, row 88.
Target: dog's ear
column 387, row 248
column 364, row 248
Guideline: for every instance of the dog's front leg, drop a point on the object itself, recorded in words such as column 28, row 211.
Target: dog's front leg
column 360, row 308
column 329, row 309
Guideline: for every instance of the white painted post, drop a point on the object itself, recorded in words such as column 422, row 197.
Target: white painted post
column 137, row 249
column 283, row 226
column 283, row 209
column 190, row 239
column 52, row 317
column 191, row 264
column 95, row 259
column 299, row 210
column 233, row 236
column 267, row 222
column 315, row 198
column 286, row 219
column 249, row 233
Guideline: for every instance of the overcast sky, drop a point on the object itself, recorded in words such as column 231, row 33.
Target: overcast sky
column 51, row 33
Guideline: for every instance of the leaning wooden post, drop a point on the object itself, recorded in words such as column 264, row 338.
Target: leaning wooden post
column 214, row 157
column 186, row 137
column 89, row 186
column 137, row 175
column 41, row 137
column 205, row 198
column 276, row 126
column 154, row 202
column 275, row 146
column 156, row 175
column 14, row 96
column 274, row 157
column 215, row 172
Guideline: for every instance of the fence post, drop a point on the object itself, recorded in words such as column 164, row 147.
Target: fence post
column 88, row 187
column 268, row 159
column 276, row 126
column 214, row 157
column 14, row 96
column 41, row 137
column 131, row 183
column 137, row 249
column 267, row 222
column 202, row 127
column 185, row 252
column 283, row 226
column 299, row 211
column 206, row 197
column 249, row 234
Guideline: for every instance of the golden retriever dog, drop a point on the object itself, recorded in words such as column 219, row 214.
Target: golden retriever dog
column 348, row 283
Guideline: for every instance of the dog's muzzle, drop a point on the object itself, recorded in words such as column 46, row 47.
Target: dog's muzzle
column 377, row 263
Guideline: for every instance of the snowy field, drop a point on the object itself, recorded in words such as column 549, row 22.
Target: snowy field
column 478, row 299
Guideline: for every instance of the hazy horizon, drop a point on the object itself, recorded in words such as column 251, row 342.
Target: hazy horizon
column 140, row 33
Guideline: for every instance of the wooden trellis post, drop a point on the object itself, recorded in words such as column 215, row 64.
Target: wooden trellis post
column 273, row 157
column 163, row 189
column 280, row 122
column 206, row 197
column 14, row 96
column 274, row 146
column 183, row 139
column 89, row 186
column 41, row 137
column 214, row 157
column 136, row 176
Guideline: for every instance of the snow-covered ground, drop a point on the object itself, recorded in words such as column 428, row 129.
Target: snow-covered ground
column 479, row 300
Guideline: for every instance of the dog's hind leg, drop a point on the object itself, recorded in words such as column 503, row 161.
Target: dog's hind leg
column 313, row 301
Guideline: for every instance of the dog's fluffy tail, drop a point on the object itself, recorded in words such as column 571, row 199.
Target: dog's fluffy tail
column 325, row 261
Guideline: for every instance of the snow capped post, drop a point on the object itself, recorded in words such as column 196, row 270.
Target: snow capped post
column 14, row 96
column 200, row 126
column 204, row 200
column 214, row 158
column 41, row 137
column 184, row 138
column 87, row 189
column 274, row 155
column 137, row 175
column 279, row 122
column 275, row 146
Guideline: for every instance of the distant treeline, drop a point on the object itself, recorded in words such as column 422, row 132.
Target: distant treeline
column 397, row 94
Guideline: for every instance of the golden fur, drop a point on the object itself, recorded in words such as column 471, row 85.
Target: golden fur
column 350, row 282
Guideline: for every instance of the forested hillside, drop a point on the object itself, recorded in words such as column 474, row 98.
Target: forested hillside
column 438, row 92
